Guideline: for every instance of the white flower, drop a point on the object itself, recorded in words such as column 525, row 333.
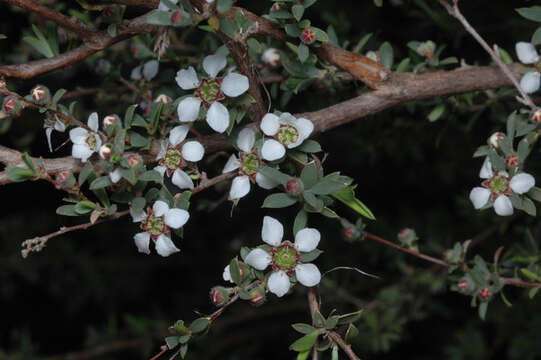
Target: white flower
column 209, row 91
column 57, row 125
column 287, row 130
column 526, row 53
column 173, row 157
column 227, row 274
column 285, row 257
column 271, row 57
column 498, row 187
column 156, row 223
column 85, row 142
column 247, row 163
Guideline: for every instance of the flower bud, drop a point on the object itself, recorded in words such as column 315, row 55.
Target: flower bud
column 308, row 36
column 65, row 179
column 105, row 152
column 407, row 237
column 219, row 295
column 512, row 160
column 11, row 105
column 40, row 94
column 164, row 99
column 536, row 116
column 494, row 139
column 465, row 285
column 109, row 11
column 176, row 16
column 277, row 6
column 294, row 187
column 271, row 57
column 373, row 55
column 2, row 83
column 485, row 294
column 134, row 160
column 111, row 120
column 258, row 296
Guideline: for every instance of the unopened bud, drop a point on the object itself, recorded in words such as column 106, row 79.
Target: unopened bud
column 219, row 295
column 494, row 139
column 258, row 296
column 407, row 236
column 11, row 105
column 65, row 179
column 134, row 160
column 109, row 11
column 373, row 55
column 105, row 152
column 40, row 94
column 294, row 187
column 164, row 99
column 277, row 6
column 111, row 120
column 2, row 83
column 485, row 294
column 512, row 160
column 308, row 36
column 536, row 116
column 271, row 57
column 465, row 285
column 176, row 17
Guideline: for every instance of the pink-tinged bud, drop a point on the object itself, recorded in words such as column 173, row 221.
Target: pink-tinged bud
column 308, row 36
column 40, row 94
column 465, row 285
column 111, row 120
column 105, row 152
column 62, row 177
column 536, row 116
column 485, row 294
column 134, row 160
column 109, row 11
column 277, row 6
column 495, row 138
column 271, row 57
column 164, row 99
column 11, row 105
column 219, row 296
column 512, row 160
column 176, row 17
column 258, row 297
column 2, row 83
column 348, row 233
column 294, row 187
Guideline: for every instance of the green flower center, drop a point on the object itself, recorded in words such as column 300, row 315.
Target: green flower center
column 499, row 184
column 285, row 257
column 173, row 157
column 91, row 142
column 209, row 90
column 154, row 225
column 250, row 163
column 287, row 134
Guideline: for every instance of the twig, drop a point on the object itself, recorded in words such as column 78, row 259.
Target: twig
column 314, row 306
column 455, row 12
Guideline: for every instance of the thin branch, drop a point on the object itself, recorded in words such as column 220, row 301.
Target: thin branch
column 455, row 12
column 314, row 306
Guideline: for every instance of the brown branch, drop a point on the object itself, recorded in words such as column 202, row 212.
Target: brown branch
column 314, row 306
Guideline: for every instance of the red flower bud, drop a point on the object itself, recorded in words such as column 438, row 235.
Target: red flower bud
column 258, row 296
column 277, row 6
column 176, row 16
column 219, row 295
column 40, row 94
column 133, row 160
column 105, row 152
column 110, row 120
column 485, row 294
column 11, row 105
column 512, row 160
column 348, row 233
column 536, row 116
column 495, row 139
column 164, row 99
column 308, row 36
column 62, row 177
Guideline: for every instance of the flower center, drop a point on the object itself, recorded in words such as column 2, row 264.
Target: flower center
column 499, row 184
column 173, row 158
column 210, row 91
column 153, row 225
column 250, row 163
column 287, row 134
column 91, row 141
column 285, row 257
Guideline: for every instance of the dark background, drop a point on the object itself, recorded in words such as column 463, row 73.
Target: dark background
column 91, row 288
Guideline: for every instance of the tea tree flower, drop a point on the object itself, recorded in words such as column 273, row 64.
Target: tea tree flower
column 498, row 187
column 271, row 57
column 209, row 91
column 527, row 54
column 286, row 130
column 247, row 163
column 51, row 125
column 285, row 257
column 173, row 157
column 156, row 223
column 85, row 142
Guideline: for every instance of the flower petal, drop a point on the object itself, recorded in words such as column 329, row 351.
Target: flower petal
column 278, row 283
column 272, row 231
column 264, row 182
column 307, row 239
column 522, row 183
column 164, row 246
column 176, row 218
column 193, row 151
column 187, row 78
column 115, row 176
column 150, row 70
column 227, row 274
column 182, row 180
column 48, row 133
column 188, row 109
column 78, row 135
column 258, row 259
column 136, row 73
column 235, row 84
column 479, row 197
column 272, row 150
column 142, row 241
column 93, row 121
column 308, row 274
column 213, row 64
column 486, row 170
column 530, row 82
column 526, row 52
column 246, row 140
column 270, row 124
column 503, row 206
column 232, row 163
column 178, row 134
column 161, row 169
column 239, row 187
column 305, row 128
column 81, row 152
column 137, row 217
column 160, row 208
column 59, row 125
column 218, row 117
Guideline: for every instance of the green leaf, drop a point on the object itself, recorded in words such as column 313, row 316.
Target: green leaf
column 530, row 274
column 347, row 196
column 436, row 113
column 224, row 6
column 320, row 34
column 58, row 95
column 200, row 325
column 351, row 332
column 304, row 328
column 303, row 52
column 298, row 11
column 331, row 322
column 533, row 292
column 313, row 201
column 300, row 221
column 128, row 116
column 350, row 318
column 162, row 18
column 254, row 45
column 292, row 30
column 531, row 13
column 305, row 343
column 483, row 310
column 227, row 27
column 330, row 184
column 138, row 140
column 279, row 200
column 119, row 142
column 318, row 319
column 234, row 269
column 387, row 55
column 100, row 183
column 151, row 175
column 84, row 207
column 19, row 174
column 310, row 175
column 303, row 355
column 172, row 341
column 67, row 210
column 536, row 37
column 310, row 146
column 138, row 203
column 183, row 350
column 280, row 14
column 378, row 3
column 85, row 173
column 535, row 193
column 311, row 256
column 274, row 174
column 528, row 207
